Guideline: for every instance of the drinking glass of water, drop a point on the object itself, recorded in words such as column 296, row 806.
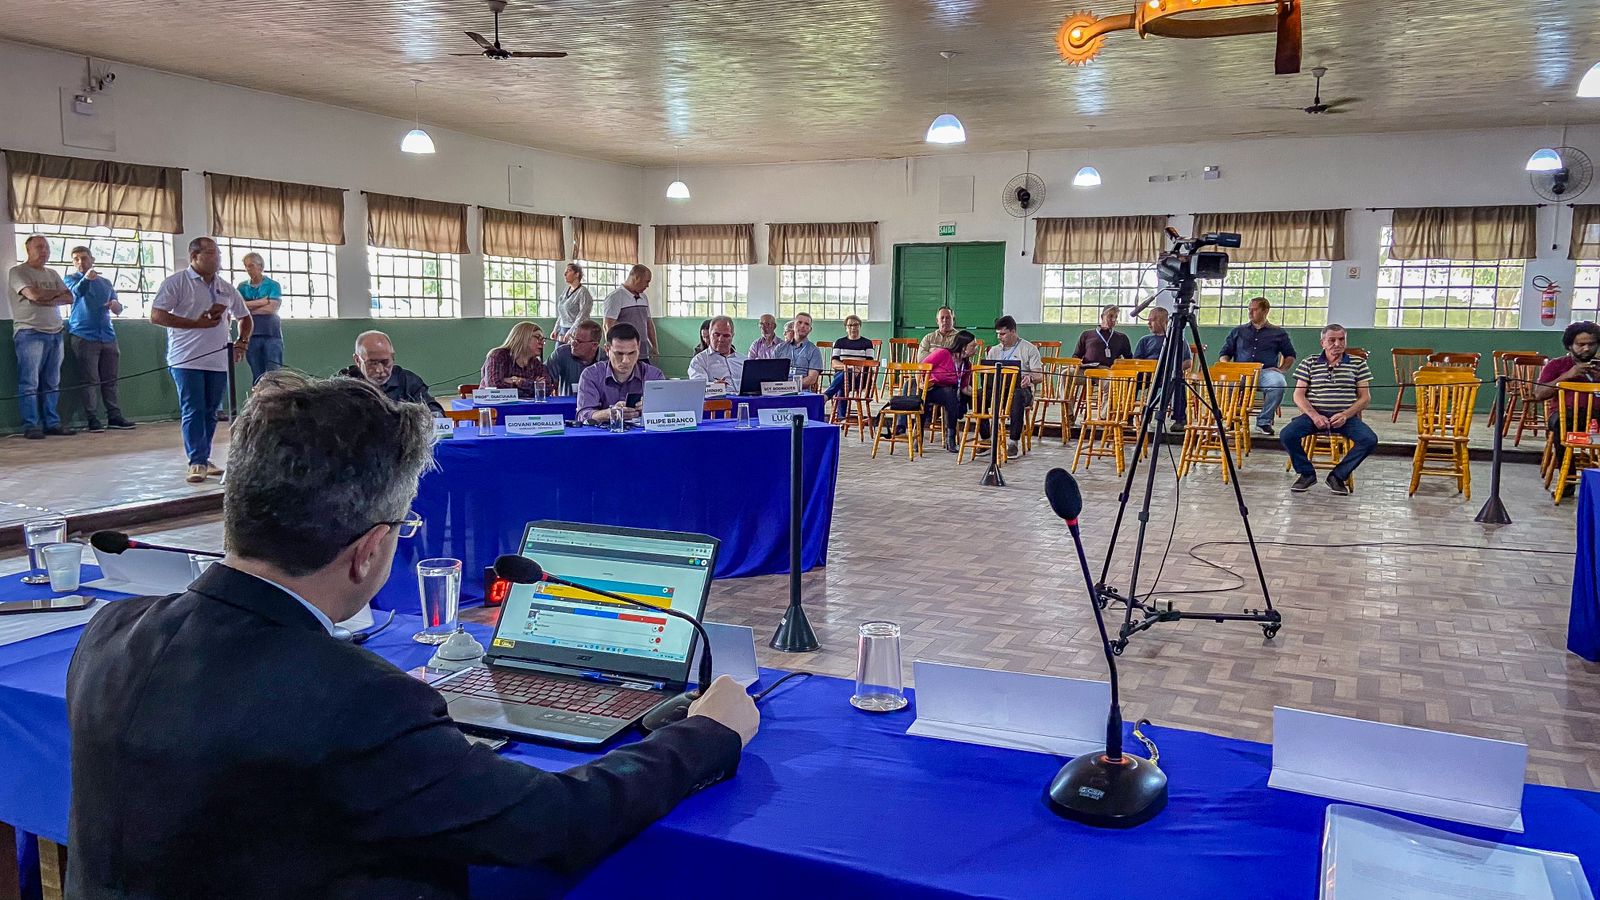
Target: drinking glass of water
column 879, row 686
column 36, row 534
column 619, row 417
column 541, row 391
column 439, row 588
column 485, row 423
column 61, row 562
column 744, row 416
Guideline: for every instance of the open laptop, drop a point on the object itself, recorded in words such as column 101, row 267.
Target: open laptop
column 566, row 667
column 677, row 395
column 757, row 371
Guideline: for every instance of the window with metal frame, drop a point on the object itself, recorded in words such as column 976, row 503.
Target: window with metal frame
column 414, row 284
column 706, row 291
column 521, row 288
column 135, row 262
column 1446, row 293
column 307, row 273
column 829, row 293
column 1298, row 292
column 1075, row 294
column 1586, row 293
column 602, row 278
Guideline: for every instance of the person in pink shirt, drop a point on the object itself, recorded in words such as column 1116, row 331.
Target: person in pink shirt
column 950, row 383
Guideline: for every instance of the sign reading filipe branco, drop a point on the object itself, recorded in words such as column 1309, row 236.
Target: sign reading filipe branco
column 681, row 420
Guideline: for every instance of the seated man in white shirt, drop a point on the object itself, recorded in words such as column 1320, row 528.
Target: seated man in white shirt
column 1010, row 347
column 718, row 364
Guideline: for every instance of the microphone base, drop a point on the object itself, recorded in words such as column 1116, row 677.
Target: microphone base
column 1097, row 792
column 674, row 710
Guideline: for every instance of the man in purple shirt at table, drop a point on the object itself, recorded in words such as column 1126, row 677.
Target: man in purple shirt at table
column 605, row 384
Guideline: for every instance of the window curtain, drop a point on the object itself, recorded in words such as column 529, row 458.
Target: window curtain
column 822, row 244
column 706, row 245
column 521, row 235
column 1098, row 239
column 1298, row 235
column 67, row 190
column 597, row 240
column 275, row 210
column 1585, row 243
column 407, row 223
column 1464, row 232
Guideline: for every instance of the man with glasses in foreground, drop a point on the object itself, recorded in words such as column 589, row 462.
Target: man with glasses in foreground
column 375, row 363
column 579, row 352
column 226, row 744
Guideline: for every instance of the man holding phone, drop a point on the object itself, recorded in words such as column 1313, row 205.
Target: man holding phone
column 194, row 306
column 1582, row 340
column 619, row 378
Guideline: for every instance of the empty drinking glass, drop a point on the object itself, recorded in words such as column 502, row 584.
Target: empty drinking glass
column 485, row 422
column 61, row 562
column 199, row 563
column 36, row 534
column 744, row 416
column 439, row 587
column 878, row 684
column 541, row 392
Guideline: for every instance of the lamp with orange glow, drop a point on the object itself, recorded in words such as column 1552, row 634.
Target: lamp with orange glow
column 1083, row 34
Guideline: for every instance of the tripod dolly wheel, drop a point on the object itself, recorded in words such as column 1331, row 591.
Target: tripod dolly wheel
column 1118, row 646
column 1271, row 631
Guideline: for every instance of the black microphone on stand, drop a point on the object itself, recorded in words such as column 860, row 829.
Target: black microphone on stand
column 522, row 570
column 1113, row 789
column 115, row 542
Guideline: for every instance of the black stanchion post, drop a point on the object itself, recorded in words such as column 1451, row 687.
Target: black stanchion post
column 794, row 634
column 1494, row 511
column 992, row 477
column 233, row 393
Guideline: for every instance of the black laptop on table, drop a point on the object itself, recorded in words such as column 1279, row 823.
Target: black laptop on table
column 566, row 667
column 757, row 371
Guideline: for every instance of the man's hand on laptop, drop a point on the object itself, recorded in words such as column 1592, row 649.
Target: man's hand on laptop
column 727, row 703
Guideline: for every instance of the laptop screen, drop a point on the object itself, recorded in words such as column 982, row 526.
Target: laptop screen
column 553, row 623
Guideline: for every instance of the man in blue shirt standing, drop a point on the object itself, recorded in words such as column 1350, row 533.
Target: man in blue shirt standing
column 94, row 341
column 262, row 296
column 1260, row 341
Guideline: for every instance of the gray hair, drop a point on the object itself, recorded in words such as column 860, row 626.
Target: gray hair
column 722, row 320
column 1331, row 326
column 374, row 333
column 637, row 271
column 255, row 256
column 313, row 466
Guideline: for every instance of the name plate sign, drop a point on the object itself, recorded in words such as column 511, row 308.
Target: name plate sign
column 542, row 424
column 494, row 395
column 682, row 420
column 779, row 388
column 780, row 416
column 443, row 429
column 716, row 389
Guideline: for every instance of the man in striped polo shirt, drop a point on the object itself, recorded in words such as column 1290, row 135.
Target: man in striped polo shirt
column 1331, row 389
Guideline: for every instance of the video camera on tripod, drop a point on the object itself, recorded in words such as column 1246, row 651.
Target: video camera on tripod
column 1186, row 262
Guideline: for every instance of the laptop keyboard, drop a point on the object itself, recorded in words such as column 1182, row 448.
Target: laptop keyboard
column 533, row 689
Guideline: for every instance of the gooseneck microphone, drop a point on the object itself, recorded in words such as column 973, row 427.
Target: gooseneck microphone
column 522, row 570
column 115, row 542
column 1113, row 789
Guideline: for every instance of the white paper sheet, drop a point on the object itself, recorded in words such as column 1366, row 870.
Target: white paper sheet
column 22, row 626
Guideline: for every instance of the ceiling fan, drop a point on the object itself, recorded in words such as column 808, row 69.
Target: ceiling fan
column 493, row 50
column 1317, row 107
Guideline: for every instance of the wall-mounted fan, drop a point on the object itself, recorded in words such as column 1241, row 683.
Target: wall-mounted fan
column 1566, row 181
column 1023, row 196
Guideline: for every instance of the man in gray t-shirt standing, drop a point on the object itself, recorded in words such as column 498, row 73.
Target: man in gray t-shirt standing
column 628, row 303
column 37, row 295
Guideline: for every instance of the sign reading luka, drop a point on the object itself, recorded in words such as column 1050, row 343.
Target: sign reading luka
column 780, row 416
column 681, row 420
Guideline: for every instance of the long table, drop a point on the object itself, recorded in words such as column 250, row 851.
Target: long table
column 567, row 407
column 1583, row 625
column 833, row 802
column 718, row 479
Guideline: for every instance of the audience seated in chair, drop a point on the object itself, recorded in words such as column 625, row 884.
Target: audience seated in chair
column 578, row 352
column 615, row 380
column 1104, row 345
column 1260, row 341
column 518, row 363
column 1149, row 347
column 943, row 336
column 766, row 346
column 718, row 363
column 805, row 360
column 851, row 346
column 950, row 383
column 1011, row 347
column 1582, row 340
column 375, row 362
column 1331, row 390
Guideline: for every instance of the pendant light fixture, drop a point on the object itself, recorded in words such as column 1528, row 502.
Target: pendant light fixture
column 677, row 190
column 416, row 140
column 946, row 129
column 1087, row 177
column 1590, row 85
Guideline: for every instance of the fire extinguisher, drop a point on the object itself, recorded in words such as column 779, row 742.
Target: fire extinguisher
column 1548, row 292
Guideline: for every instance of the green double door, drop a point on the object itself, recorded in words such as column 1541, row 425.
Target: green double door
column 968, row 278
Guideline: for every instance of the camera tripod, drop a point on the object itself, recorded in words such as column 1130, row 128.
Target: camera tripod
column 1169, row 384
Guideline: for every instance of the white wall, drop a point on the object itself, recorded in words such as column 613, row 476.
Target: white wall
column 171, row 120
column 1432, row 169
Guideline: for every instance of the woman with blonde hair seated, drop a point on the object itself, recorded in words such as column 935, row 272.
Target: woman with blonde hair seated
column 518, row 363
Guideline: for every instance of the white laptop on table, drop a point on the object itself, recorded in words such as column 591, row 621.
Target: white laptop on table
column 679, row 395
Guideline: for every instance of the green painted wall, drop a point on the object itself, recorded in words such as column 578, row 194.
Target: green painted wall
column 452, row 351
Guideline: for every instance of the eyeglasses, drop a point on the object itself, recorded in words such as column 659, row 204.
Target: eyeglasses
column 407, row 527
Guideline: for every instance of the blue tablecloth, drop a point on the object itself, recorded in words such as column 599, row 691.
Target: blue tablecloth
column 833, row 802
column 567, row 407
column 1583, row 626
column 724, row 481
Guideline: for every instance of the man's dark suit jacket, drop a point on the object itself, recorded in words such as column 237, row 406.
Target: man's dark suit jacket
column 403, row 386
column 225, row 745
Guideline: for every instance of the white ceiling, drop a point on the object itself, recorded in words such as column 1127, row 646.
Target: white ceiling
column 729, row 81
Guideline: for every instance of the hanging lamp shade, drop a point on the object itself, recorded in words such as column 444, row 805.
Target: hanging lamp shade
column 1087, row 177
column 1544, row 159
column 946, row 130
column 677, row 191
column 416, row 141
column 1590, row 85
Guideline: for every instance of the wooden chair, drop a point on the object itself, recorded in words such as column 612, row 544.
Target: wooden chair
column 1444, row 417
column 904, row 350
column 1048, row 348
column 987, row 383
column 821, row 345
column 1358, row 353
column 465, row 391
column 906, row 379
column 1143, row 372
column 470, row 416
column 854, row 405
column 1108, row 402
column 1522, row 373
column 1201, row 444
column 1406, row 362
column 1455, row 359
column 1243, row 415
column 1577, row 446
column 1059, row 391
column 718, row 409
